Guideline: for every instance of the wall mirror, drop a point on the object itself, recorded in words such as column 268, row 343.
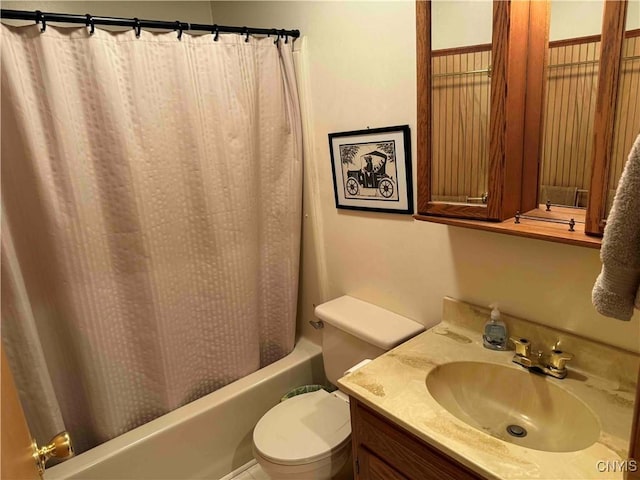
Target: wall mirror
column 461, row 34
column 463, row 72
column 571, row 80
column 571, row 89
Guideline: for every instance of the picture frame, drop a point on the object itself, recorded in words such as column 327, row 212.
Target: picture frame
column 372, row 169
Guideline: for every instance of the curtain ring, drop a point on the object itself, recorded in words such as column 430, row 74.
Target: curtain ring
column 245, row 30
column 179, row 29
column 275, row 32
column 90, row 24
column 40, row 19
column 216, row 33
column 137, row 27
column 286, row 39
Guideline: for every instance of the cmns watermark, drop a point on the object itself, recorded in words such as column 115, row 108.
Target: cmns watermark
column 612, row 466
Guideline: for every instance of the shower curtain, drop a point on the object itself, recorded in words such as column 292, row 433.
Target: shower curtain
column 151, row 206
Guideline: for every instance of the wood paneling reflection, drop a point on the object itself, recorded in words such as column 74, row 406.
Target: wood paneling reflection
column 627, row 122
column 460, row 131
column 461, row 96
column 572, row 78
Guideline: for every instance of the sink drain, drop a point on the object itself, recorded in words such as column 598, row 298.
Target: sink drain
column 516, row 431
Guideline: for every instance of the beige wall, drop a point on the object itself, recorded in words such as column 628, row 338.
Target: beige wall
column 359, row 70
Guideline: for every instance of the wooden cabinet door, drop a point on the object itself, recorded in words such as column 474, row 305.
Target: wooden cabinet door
column 17, row 462
column 485, row 181
column 370, row 467
column 393, row 453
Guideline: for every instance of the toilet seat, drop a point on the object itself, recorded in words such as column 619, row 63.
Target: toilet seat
column 304, row 429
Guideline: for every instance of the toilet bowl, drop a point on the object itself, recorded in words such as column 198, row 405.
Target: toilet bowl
column 308, row 437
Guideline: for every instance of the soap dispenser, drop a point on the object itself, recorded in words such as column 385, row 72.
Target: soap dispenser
column 495, row 331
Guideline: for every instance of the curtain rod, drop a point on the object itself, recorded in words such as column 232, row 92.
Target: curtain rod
column 137, row 24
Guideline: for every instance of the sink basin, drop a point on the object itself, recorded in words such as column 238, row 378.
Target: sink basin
column 514, row 405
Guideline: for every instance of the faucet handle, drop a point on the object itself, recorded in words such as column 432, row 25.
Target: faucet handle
column 558, row 359
column 522, row 345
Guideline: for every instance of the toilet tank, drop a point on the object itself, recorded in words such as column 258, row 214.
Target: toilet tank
column 355, row 330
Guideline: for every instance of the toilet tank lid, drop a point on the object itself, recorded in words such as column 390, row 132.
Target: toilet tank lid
column 368, row 322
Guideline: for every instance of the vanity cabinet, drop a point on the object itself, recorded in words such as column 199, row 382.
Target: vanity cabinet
column 384, row 451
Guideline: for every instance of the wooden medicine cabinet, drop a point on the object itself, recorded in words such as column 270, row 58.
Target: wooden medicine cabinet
column 526, row 113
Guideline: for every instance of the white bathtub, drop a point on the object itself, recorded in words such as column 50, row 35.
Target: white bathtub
column 207, row 438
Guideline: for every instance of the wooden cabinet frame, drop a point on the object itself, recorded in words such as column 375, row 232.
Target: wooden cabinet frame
column 509, row 39
column 612, row 40
column 519, row 57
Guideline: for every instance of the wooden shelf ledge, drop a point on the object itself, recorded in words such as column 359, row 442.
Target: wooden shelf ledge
column 541, row 230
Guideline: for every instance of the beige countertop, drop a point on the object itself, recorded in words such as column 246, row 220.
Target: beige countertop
column 394, row 385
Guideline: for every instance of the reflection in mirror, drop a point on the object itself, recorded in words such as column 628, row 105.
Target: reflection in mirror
column 570, row 102
column 627, row 117
column 461, row 91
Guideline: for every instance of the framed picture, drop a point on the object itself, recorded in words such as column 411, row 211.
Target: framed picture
column 372, row 169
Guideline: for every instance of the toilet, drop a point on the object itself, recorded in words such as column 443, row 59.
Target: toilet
column 308, row 437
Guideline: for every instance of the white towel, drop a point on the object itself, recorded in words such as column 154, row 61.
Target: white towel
column 616, row 291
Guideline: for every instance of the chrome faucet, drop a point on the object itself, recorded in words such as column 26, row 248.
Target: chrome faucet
column 553, row 364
